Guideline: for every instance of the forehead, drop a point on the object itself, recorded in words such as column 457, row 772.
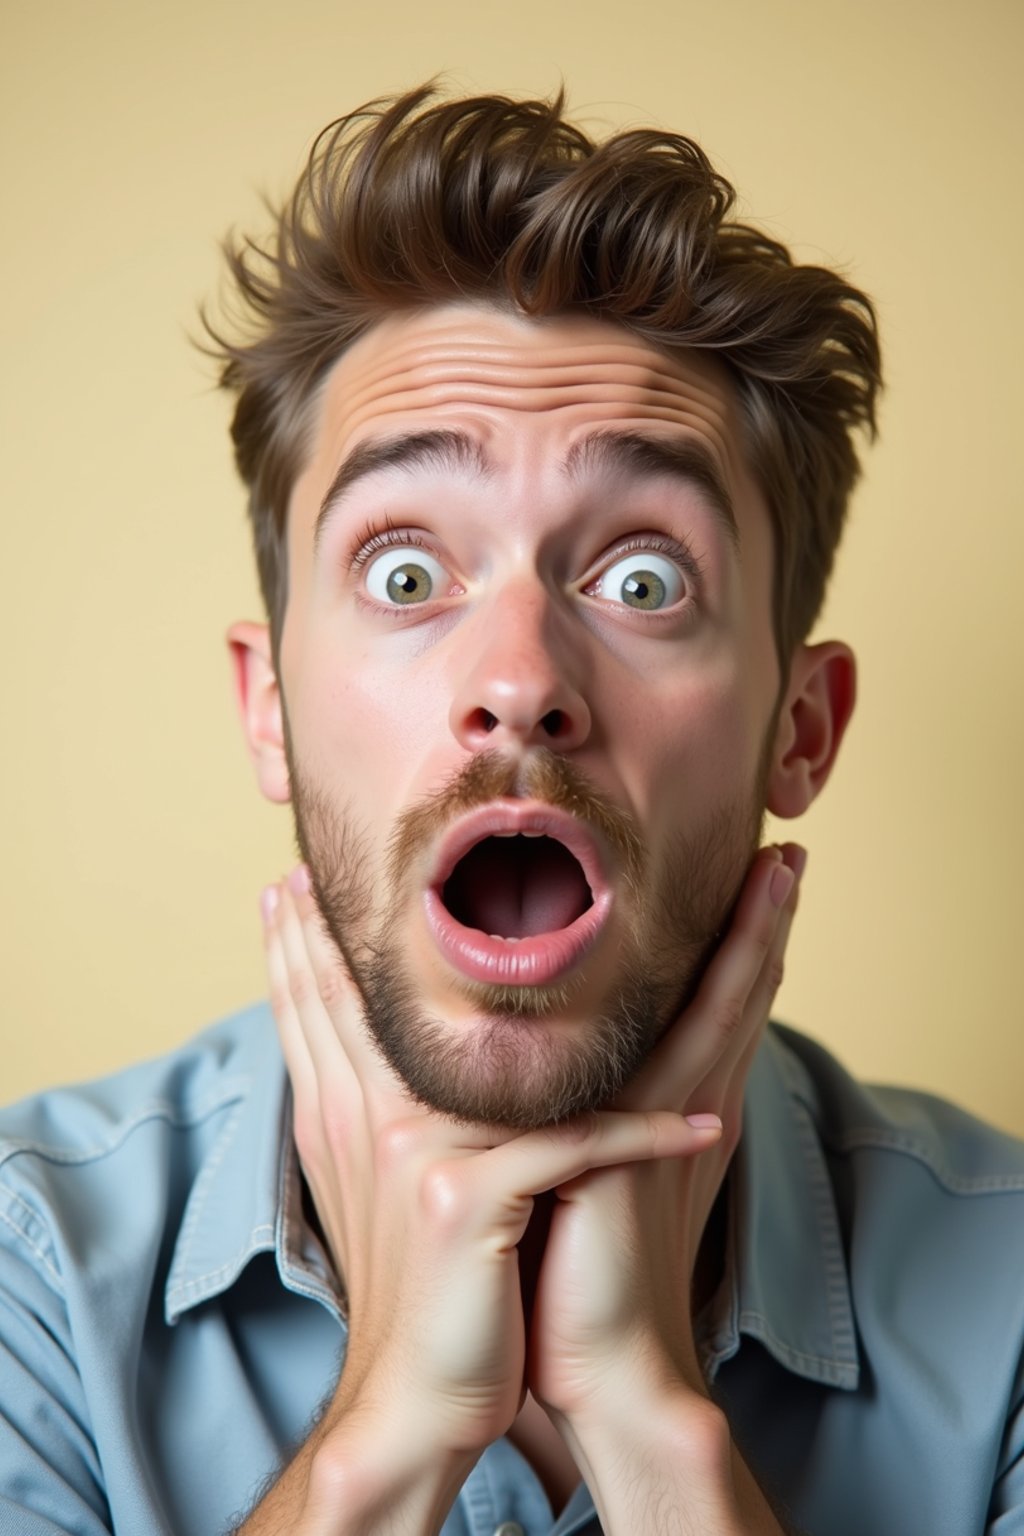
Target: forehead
column 520, row 385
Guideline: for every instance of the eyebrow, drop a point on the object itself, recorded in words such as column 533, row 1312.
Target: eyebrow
column 609, row 451
column 648, row 458
column 442, row 449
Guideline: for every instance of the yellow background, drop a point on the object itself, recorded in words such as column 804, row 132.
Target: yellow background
column 882, row 135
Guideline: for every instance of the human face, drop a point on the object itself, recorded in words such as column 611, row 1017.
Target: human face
column 552, row 616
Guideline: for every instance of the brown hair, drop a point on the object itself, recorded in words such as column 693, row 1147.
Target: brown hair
column 408, row 201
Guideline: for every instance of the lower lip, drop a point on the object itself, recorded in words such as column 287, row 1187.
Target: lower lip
column 530, row 962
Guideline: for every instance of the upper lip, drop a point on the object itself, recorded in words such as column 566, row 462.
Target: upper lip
column 509, row 817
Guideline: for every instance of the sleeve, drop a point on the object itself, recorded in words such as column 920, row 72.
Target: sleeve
column 1006, row 1511
column 50, row 1476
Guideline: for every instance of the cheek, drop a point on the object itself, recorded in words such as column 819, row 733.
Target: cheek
column 360, row 728
column 696, row 750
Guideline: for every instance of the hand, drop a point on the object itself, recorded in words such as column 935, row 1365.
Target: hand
column 422, row 1216
column 612, row 1329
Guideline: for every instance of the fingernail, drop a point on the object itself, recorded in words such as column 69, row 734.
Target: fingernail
column 269, row 899
column 782, row 882
column 704, row 1122
column 298, row 881
column 772, row 853
column 799, row 863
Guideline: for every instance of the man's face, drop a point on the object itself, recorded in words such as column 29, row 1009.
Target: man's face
column 530, row 682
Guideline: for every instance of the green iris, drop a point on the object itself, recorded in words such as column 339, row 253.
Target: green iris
column 409, row 583
column 643, row 589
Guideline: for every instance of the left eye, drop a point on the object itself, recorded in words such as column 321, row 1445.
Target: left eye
column 642, row 580
column 402, row 577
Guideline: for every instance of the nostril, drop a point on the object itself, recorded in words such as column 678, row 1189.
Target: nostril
column 484, row 721
column 552, row 722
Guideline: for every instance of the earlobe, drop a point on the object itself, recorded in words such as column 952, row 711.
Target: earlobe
column 258, row 697
column 819, row 701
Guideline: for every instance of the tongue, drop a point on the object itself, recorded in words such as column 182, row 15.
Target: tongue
column 518, row 887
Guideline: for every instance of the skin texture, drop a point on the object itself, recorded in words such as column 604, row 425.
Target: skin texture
column 677, row 719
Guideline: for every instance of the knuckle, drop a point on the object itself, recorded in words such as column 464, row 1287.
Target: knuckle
column 303, row 988
column 653, row 1128
column 395, row 1142
column 776, row 974
column 727, row 1019
column 331, row 988
column 280, row 1001
column 307, row 1142
column 575, row 1132
column 443, row 1195
column 335, row 1121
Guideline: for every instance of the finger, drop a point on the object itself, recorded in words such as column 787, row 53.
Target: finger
column 337, row 988
column 327, row 1051
column 734, row 1063
column 294, row 1046
column 762, row 997
column 515, row 1173
column 731, row 981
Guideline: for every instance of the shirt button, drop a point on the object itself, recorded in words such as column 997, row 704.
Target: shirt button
column 509, row 1528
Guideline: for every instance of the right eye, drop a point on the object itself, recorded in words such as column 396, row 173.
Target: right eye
column 402, row 577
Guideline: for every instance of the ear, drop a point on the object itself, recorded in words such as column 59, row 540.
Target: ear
column 816, row 710
column 259, row 706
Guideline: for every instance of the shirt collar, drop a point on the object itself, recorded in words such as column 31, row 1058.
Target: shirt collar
column 247, row 1196
column 786, row 1282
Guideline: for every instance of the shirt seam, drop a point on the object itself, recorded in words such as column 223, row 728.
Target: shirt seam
column 895, row 1141
column 830, row 1248
column 258, row 1237
column 293, row 1272
column 153, row 1109
column 197, row 1205
column 33, row 1246
column 753, row 1322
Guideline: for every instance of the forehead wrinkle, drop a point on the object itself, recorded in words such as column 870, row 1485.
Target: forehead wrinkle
column 600, row 405
column 513, row 371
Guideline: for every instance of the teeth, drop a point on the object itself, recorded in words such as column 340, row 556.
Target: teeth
column 510, row 833
column 502, row 938
column 528, row 832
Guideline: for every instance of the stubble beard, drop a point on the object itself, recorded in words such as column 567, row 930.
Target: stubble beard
column 515, row 1068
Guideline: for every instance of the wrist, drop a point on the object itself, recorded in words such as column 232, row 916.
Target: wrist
column 672, row 1450
column 375, row 1467
column 684, row 1424
column 368, row 1475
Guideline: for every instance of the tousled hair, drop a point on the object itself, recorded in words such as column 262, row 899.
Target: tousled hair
column 411, row 201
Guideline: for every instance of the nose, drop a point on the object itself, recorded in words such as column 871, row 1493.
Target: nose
column 523, row 685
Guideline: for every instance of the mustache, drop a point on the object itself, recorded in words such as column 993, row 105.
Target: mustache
column 491, row 775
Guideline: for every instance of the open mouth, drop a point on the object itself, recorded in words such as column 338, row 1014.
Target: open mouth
column 518, row 896
column 517, row 886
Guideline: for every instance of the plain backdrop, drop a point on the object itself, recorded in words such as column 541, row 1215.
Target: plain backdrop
column 884, row 136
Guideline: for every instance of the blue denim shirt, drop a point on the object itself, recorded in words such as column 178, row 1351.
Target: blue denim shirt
column 169, row 1325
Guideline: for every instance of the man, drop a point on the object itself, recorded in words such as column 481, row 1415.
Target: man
column 530, row 1223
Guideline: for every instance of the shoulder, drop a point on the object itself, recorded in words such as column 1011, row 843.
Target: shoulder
column 899, row 1128
column 919, row 1211
column 76, row 1160
column 90, row 1120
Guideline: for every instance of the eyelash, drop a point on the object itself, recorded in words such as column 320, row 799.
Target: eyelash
column 371, row 540
column 661, row 544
